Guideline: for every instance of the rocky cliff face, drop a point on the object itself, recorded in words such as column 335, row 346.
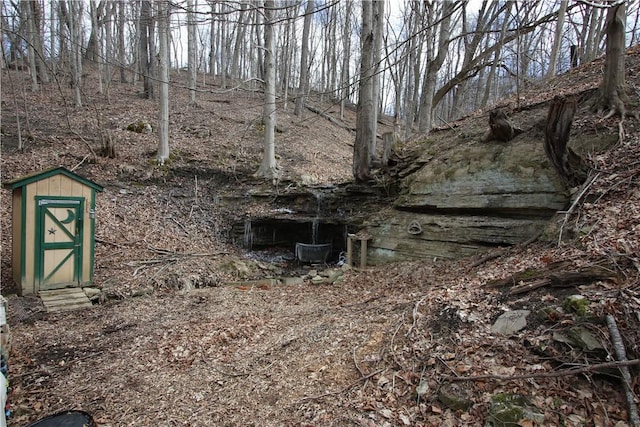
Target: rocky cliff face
column 466, row 196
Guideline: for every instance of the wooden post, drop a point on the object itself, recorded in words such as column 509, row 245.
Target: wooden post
column 350, row 249
column 363, row 253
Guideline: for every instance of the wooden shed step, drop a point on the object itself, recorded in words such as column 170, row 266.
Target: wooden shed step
column 64, row 299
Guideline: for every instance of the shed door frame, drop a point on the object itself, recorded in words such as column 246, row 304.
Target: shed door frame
column 71, row 249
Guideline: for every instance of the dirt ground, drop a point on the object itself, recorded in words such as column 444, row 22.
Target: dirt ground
column 377, row 348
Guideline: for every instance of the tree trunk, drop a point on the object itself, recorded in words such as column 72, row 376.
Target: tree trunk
column 95, row 43
column 488, row 13
column 303, row 86
column 570, row 166
column 121, row 45
column 74, row 13
column 268, row 167
column 413, row 67
column 592, row 42
column 613, row 91
column 147, row 48
column 163, row 119
column 191, row 47
column 257, row 59
column 378, row 25
column 365, row 114
column 30, row 36
column 346, row 56
column 434, row 65
column 240, row 30
column 91, row 52
column 557, row 40
column 222, row 48
column 109, row 57
column 36, row 39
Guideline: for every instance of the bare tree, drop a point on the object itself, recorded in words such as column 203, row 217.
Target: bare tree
column 241, row 26
column 268, row 167
column 94, row 47
column 70, row 12
column 613, row 94
column 147, row 48
column 378, row 28
column 191, row 47
column 435, row 61
column 121, row 45
column 487, row 15
column 346, row 56
column 33, row 15
column 557, row 40
column 163, row 119
column 366, row 114
column 303, row 87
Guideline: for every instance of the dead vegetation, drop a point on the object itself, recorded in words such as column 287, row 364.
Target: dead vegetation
column 386, row 346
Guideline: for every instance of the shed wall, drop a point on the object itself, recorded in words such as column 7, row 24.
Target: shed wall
column 56, row 185
column 16, row 242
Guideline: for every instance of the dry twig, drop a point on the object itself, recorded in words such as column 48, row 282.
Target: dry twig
column 621, row 355
column 556, row 374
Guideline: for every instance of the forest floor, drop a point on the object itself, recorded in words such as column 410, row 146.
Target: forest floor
column 382, row 347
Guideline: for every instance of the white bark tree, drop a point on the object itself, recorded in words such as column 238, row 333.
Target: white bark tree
column 71, row 11
column 346, row 57
column 434, row 64
column 365, row 114
column 557, row 40
column 163, row 119
column 191, row 47
column 303, row 87
column 378, row 32
column 147, row 48
column 269, row 167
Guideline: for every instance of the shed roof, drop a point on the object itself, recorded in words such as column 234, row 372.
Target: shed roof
column 37, row 176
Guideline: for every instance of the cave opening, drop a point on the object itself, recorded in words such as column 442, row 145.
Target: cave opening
column 282, row 235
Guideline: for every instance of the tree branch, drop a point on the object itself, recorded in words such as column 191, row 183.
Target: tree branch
column 556, row 374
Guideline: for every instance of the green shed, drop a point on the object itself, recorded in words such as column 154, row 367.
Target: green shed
column 53, row 225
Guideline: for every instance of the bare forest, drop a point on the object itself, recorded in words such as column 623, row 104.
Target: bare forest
column 197, row 117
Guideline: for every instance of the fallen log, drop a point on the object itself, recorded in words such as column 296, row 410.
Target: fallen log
column 556, row 276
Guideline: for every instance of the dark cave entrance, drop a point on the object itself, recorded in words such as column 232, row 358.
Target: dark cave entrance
column 282, row 235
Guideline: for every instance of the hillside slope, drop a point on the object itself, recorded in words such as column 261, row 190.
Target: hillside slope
column 384, row 346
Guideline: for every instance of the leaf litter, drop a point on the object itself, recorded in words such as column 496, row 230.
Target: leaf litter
column 373, row 350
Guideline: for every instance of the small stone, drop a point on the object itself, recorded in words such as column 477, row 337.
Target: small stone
column 422, row 388
column 580, row 336
column 455, row 396
column 334, row 274
column 510, row 322
column 506, row 409
column 291, row 281
column 92, row 293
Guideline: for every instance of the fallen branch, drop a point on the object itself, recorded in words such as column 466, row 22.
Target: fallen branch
column 176, row 257
column 556, row 374
column 555, row 275
column 342, row 390
column 106, row 242
column 355, row 362
column 141, row 264
column 415, row 315
column 621, row 355
column 568, row 213
column 79, row 164
column 332, row 119
column 499, row 252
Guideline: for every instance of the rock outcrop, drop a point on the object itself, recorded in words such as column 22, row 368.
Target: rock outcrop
column 466, row 196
